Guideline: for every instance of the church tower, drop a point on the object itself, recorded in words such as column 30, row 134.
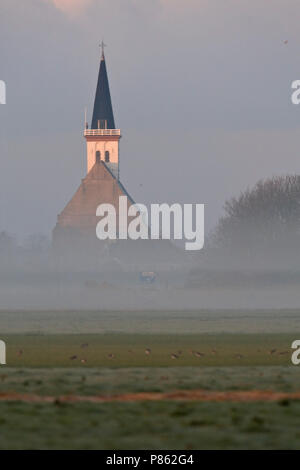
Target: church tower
column 74, row 237
column 103, row 138
column 78, row 220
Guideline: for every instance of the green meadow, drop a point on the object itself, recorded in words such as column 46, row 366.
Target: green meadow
column 159, row 425
column 118, row 353
column 148, row 350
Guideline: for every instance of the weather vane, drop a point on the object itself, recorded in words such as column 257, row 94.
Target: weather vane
column 102, row 45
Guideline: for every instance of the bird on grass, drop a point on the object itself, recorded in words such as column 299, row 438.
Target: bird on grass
column 239, row 356
column 174, row 356
column 148, row 351
column 198, row 354
column 72, row 358
column 83, row 361
column 110, row 356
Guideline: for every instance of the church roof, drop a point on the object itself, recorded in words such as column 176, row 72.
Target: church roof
column 98, row 187
column 103, row 110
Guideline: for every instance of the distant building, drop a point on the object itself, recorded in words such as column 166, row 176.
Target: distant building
column 102, row 182
column 74, row 236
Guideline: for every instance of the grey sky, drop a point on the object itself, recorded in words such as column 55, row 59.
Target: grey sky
column 200, row 89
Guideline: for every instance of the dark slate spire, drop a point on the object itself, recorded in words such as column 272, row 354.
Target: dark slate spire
column 103, row 115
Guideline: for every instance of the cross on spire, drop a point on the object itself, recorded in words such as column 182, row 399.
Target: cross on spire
column 102, row 45
column 103, row 112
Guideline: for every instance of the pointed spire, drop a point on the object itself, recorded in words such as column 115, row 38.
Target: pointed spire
column 103, row 116
column 102, row 45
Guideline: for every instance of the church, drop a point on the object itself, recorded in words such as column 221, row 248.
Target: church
column 102, row 183
column 74, row 236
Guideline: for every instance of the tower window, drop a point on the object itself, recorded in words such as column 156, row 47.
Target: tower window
column 98, row 156
column 102, row 124
column 107, row 156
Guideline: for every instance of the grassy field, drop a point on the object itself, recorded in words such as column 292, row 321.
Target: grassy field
column 147, row 425
column 96, row 355
column 129, row 350
column 160, row 425
column 167, row 322
column 108, row 381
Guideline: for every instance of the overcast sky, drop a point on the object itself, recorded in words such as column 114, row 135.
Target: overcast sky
column 200, row 89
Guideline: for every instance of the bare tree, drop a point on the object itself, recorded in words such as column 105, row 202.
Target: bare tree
column 267, row 215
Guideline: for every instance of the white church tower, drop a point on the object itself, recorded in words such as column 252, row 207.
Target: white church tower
column 103, row 138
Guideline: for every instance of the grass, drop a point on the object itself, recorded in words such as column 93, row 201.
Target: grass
column 40, row 345
column 150, row 322
column 129, row 350
column 101, row 381
column 161, row 425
